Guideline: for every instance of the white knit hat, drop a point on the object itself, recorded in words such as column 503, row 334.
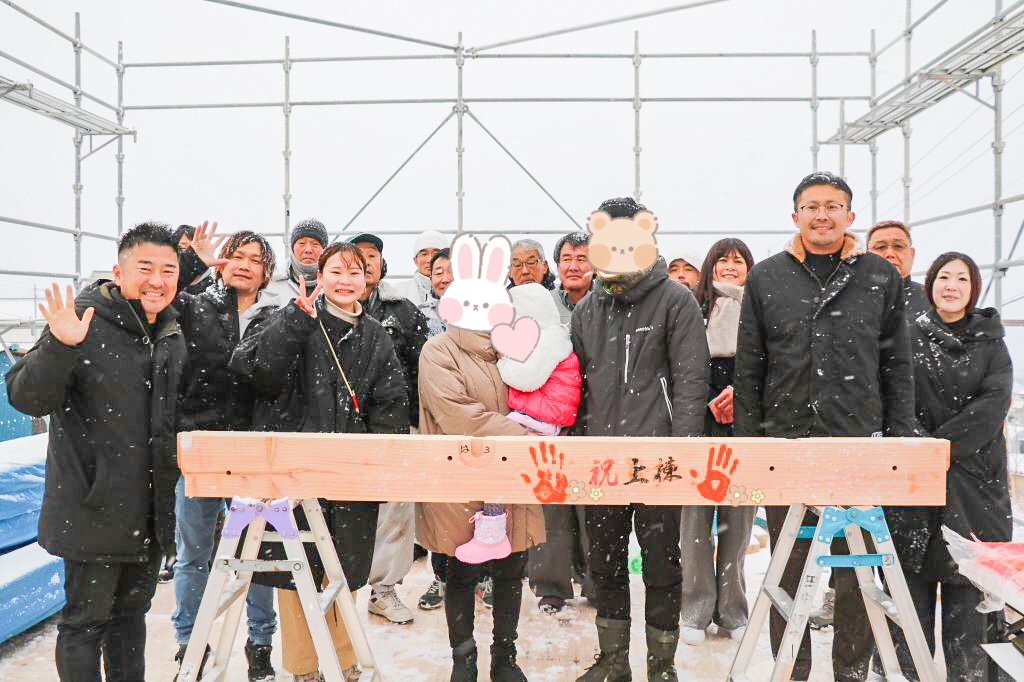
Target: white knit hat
column 534, row 300
column 431, row 239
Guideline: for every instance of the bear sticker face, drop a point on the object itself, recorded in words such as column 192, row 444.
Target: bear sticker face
column 621, row 246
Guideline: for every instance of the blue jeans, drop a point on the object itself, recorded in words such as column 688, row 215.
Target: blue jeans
column 194, row 534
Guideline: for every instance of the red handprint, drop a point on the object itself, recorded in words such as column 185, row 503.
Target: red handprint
column 551, row 485
column 716, row 481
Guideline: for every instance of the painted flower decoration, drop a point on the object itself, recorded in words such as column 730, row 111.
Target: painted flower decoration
column 574, row 491
column 596, row 494
column 757, row 496
column 737, row 495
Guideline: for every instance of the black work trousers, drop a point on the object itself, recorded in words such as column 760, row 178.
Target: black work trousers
column 657, row 531
column 852, row 641
column 459, row 601
column 105, row 612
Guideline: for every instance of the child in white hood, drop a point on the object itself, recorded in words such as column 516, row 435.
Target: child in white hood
column 544, row 396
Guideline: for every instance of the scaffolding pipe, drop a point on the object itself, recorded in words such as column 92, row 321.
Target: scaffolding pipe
column 33, row 273
column 873, row 144
column 334, row 24
column 60, row 33
column 595, row 24
column 495, row 100
column 637, row 103
column 501, row 55
column 77, row 45
column 814, row 100
column 460, row 113
column 120, row 139
column 523, row 168
column 997, row 201
column 912, row 26
column 398, row 170
column 967, row 211
column 54, row 228
column 287, row 110
column 555, row 231
column 907, row 34
column 842, row 138
column 58, row 81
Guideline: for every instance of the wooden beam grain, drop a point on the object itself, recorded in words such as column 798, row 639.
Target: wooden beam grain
column 565, row 470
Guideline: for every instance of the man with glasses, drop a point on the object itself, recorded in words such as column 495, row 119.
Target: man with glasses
column 529, row 265
column 891, row 240
column 822, row 325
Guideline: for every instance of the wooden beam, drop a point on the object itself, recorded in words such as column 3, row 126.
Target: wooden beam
column 565, row 470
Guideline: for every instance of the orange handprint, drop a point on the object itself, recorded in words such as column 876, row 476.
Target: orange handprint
column 716, row 481
column 551, row 485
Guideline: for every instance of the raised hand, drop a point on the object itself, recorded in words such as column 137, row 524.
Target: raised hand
column 206, row 242
column 64, row 322
column 306, row 302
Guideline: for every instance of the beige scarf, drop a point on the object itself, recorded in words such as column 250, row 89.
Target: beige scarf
column 724, row 320
column 351, row 318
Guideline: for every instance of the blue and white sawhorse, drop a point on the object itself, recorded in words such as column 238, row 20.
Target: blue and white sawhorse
column 230, row 578
column 897, row 606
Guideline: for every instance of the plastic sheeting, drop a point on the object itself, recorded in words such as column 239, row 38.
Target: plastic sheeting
column 22, row 472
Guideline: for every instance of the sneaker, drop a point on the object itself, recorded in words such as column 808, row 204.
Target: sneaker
column 258, row 657
column 551, row 604
column 352, row 674
column 309, row 677
column 180, row 656
column 485, row 591
column 387, row 604
column 823, row 617
column 433, row 598
column 691, row 636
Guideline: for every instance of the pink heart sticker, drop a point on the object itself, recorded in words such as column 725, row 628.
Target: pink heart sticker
column 516, row 341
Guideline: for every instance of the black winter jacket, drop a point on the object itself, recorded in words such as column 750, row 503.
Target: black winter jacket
column 407, row 327
column 111, row 463
column 915, row 300
column 299, row 388
column 823, row 359
column 963, row 379
column 644, row 357
column 212, row 397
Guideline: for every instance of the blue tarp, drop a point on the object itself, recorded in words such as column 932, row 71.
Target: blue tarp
column 22, row 473
column 13, row 424
column 31, row 589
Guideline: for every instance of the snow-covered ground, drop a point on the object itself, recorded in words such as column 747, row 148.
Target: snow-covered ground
column 552, row 649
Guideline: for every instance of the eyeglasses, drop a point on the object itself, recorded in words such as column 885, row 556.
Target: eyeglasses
column 831, row 208
column 530, row 262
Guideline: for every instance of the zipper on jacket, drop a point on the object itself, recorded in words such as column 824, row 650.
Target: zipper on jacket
column 664, row 392
column 625, row 369
column 146, row 341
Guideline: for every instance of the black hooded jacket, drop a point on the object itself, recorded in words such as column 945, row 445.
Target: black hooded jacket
column 407, row 327
column 111, row 463
column 286, row 359
column 963, row 379
column 644, row 357
column 824, row 359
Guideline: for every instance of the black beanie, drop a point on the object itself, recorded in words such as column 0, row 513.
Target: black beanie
column 310, row 228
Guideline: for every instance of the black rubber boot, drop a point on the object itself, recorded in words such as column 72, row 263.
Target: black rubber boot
column 661, row 654
column 464, row 662
column 612, row 664
column 503, row 661
column 180, row 656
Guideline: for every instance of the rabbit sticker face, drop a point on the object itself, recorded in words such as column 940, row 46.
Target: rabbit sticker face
column 476, row 299
column 621, row 246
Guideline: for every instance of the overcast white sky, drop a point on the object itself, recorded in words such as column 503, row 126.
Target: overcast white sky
column 705, row 166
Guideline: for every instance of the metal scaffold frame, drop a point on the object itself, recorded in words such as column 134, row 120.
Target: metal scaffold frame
column 977, row 57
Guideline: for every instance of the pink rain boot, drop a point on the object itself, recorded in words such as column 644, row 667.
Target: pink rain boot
column 490, row 540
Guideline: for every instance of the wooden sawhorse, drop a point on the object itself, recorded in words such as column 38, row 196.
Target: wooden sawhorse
column 230, row 578
column 897, row 606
